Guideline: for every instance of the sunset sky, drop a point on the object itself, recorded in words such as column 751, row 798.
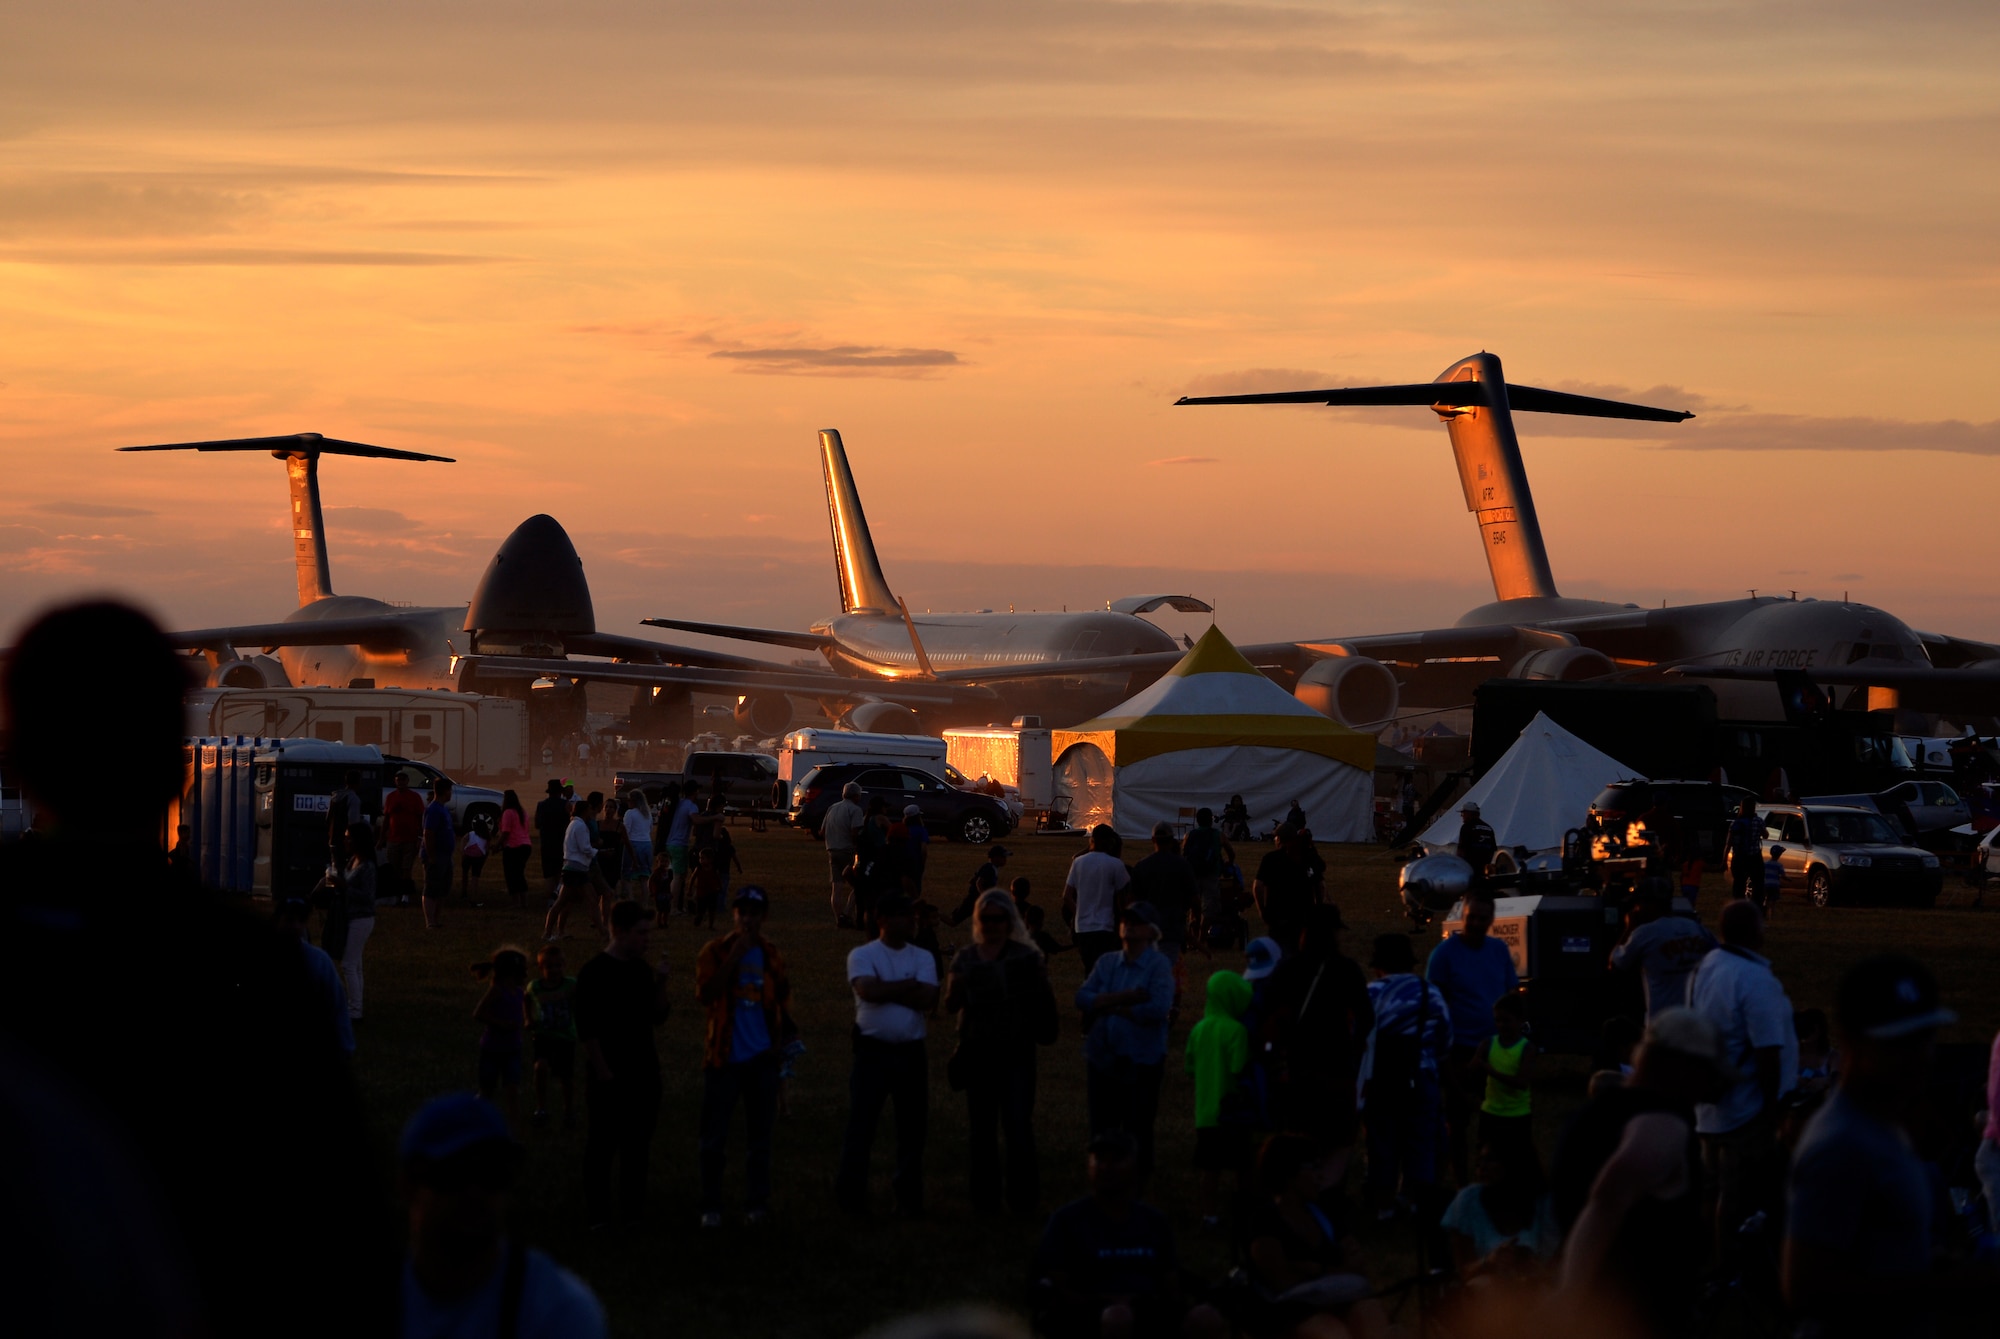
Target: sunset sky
column 621, row 260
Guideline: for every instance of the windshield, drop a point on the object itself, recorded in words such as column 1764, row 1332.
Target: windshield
column 1883, row 751
column 953, row 775
column 1854, row 829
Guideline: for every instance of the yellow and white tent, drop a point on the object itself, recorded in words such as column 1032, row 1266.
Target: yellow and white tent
column 1209, row 728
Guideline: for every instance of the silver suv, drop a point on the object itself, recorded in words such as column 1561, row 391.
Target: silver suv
column 1840, row 853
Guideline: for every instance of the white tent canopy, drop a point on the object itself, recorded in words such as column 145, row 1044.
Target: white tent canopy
column 1540, row 788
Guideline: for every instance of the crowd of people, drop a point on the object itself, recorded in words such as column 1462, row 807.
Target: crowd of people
column 1730, row 1146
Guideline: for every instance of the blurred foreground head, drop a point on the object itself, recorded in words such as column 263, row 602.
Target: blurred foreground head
column 93, row 699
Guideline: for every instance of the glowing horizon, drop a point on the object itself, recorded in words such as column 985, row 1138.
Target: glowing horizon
column 622, row 262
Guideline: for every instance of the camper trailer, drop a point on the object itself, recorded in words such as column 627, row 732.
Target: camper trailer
column 460, row 734
column 1016, row 755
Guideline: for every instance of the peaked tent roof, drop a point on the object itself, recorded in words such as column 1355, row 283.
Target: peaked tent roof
column 1540, row 788
column 1214, row 698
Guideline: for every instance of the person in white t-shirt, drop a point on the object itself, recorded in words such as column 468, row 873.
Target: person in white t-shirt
column 1739, row 995
column 895, row 988
column 1090, row 896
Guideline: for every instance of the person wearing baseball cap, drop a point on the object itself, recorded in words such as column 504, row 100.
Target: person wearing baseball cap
column 1857, row 1255
column 1260, row 958
column 741, row 981
column 1125, row 1002
column 463, row 1274
column 1626, row 1180
column 1476, row 841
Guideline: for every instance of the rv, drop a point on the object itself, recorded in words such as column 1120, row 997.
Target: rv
column 460, row 734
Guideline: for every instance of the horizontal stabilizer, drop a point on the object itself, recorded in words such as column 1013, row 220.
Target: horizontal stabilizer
column 1458, row 394
column 803, row 641
column 1146, row 604
column 295, row 443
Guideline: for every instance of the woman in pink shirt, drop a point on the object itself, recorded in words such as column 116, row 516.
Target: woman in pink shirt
column 514, row 846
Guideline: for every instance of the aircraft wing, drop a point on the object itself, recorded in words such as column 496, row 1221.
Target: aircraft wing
column 797, row 683
column 1407, row 649
column 1949, row 652
column 803, row 641
column 641, row 651
column 413, row 630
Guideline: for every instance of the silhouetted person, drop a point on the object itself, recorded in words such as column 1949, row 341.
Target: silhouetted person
column 269, row 1167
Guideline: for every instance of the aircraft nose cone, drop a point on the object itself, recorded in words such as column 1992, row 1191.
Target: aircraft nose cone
column 535, row 583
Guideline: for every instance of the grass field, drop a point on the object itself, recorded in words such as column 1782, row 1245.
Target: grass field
column 813, row 1272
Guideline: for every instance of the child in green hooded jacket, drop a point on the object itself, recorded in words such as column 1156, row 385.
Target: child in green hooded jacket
column 1218, row 1051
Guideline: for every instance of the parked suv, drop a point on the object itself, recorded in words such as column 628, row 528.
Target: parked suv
column 1837, row 853
column 471, row 806
column 948, row 812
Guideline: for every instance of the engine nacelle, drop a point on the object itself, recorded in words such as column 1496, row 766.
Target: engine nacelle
column 1563, row 664
column 1435, row 882
column 881, row 718
column 249, row 672
column 1358, row 692
column 764, row 715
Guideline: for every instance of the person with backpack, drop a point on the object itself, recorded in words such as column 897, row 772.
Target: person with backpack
column 1402, row 1102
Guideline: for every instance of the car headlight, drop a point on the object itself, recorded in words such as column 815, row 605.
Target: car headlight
column 1856, row 861
column 1930, row 862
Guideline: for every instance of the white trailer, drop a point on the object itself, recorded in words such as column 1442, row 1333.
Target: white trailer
column 464, row 735
column 804, row 750
column 1017, row 756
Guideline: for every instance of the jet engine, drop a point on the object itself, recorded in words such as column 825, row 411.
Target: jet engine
column 1433, row 883
column 881, row 718
column 1563, row 664
column 764, row 715
column 1358, row 692
column 249, row 672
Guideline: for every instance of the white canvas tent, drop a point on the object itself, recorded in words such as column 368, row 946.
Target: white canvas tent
column 1211, row 727
column 1540, row 788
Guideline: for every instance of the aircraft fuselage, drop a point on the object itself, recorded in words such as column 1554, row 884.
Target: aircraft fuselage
column 426, row 666
column 870, row 645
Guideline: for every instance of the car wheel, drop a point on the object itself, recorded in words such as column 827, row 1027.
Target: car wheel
column 1819, row 888
column 483, row 818
column 975, row 829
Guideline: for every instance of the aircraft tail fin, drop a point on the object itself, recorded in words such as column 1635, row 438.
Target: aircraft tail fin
column 1476, row 402
column 862, row 585
column 301, row 452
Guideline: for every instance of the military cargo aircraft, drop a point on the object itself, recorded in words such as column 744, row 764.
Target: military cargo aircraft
column 1531, row 630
